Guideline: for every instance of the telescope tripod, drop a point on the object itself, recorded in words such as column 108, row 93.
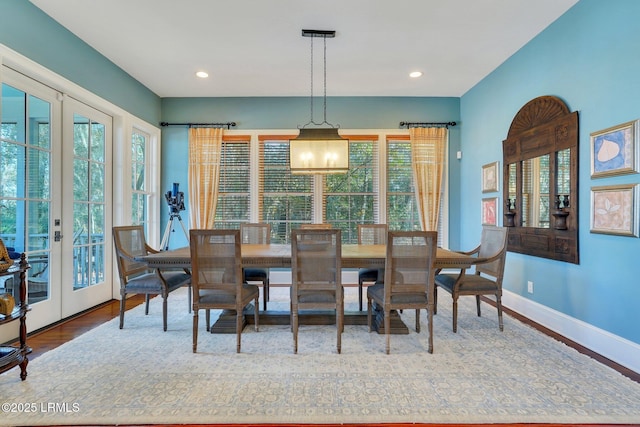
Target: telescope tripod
column 167, row 232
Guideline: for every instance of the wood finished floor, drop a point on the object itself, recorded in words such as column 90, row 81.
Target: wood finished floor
column 51, row 337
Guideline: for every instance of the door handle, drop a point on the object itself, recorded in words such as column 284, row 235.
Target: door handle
column 57, row 236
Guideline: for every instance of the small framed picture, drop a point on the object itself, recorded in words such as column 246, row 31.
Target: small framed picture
column 490, row 177
column 614, row 210
column 490, row 211
column 614, row 151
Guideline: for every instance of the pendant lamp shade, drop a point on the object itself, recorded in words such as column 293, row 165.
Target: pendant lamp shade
column 320, row 150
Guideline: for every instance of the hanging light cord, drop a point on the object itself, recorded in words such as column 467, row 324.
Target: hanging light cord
column 311, row 121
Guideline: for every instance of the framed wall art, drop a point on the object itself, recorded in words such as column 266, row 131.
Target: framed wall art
column 490, row 211
column 490, row 177
column 614, row 151
column 614, row 210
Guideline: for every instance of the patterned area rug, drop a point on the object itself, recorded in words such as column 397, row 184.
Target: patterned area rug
column 143, row 375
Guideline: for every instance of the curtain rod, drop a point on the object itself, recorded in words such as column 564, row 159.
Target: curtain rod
column 420, row 124
column 228, row 124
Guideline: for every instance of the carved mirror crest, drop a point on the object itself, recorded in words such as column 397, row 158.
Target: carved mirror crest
column 540, row 186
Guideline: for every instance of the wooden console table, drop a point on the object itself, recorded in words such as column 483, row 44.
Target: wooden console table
column 12, row 355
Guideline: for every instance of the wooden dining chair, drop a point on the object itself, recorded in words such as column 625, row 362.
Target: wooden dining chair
column 216, row 262
column 137, row 278
column 408, row 282
column 316, row 269
column 257, row 233
column 370, row 234
column 487, row 279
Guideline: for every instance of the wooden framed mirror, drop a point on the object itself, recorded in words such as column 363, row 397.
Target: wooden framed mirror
column 540, row 185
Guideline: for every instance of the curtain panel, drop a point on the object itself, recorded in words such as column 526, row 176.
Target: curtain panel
column 205, row 149
column 427, row 152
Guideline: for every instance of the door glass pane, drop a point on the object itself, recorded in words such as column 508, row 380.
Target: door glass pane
column 139, row 195
column 89, row 199
column 25, row 179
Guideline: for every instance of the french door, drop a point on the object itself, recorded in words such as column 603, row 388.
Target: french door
column 86, row 211
column 30, row 145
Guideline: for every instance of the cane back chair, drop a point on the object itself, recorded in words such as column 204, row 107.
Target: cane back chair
column 487, row 279
column 257, row 233
column 136, row 277
column 408, row 279
column 216, row 263
column 316, row 269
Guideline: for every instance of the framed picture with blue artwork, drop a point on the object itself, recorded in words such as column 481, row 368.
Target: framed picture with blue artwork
column 614, row 151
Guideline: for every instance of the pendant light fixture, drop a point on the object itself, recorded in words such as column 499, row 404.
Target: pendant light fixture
column 319, row 150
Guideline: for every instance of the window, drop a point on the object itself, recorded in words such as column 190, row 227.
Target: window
column 352, row 198
column 374, row 189
column 286, row 200
column 233, row 197
column 139, row 178
column 402, row 211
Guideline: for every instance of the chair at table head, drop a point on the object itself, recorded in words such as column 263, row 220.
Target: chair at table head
column 216, row 263
column 316, row 270
column 409, row 272
column 257, row 233
column 487, row 279
column 136, row 277
column 370, row 234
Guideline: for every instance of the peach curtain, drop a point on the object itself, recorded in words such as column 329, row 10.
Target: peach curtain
column 427, row 153
column 205, row 147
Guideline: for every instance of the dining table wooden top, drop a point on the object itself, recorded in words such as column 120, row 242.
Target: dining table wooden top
column 279, row 256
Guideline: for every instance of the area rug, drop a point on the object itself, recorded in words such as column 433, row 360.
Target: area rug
column 142, row 375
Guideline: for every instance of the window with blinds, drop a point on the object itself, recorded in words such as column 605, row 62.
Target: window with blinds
column 402, row 211
column 233, row 197
column 352, row 198
column 286, row 200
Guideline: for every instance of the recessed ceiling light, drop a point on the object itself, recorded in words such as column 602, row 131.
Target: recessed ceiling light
column 202, row 74
column 415, row 74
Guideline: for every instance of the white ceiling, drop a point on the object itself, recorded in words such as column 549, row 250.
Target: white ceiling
column 255, row 47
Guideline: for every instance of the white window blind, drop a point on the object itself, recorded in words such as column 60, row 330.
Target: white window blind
column 286, row 200
column 352, row 198
column 233, row 196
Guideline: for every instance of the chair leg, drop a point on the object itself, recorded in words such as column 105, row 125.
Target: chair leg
column 195, row 329
column 164, row 312
column 387, row 329
column 340, row 318
column 146, row 301
column 369, row 309
column 435, row 300
column 294, row 328
column 478, row 304
column 265, row 294
column 418, row 320
column 256, row 317
column 123, row 299
column 455, row 315
column 360, row 295
column 207, row 316
column 499, row 305
column 239, row 319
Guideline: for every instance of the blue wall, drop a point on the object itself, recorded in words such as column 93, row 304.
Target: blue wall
column 29, row 31
column 590, row 58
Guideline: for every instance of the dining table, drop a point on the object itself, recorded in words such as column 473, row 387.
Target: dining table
column 276, row 255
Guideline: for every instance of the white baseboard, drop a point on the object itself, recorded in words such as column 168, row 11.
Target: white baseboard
column 613, row 347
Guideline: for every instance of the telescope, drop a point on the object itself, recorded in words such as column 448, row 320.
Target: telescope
column 175, row 200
